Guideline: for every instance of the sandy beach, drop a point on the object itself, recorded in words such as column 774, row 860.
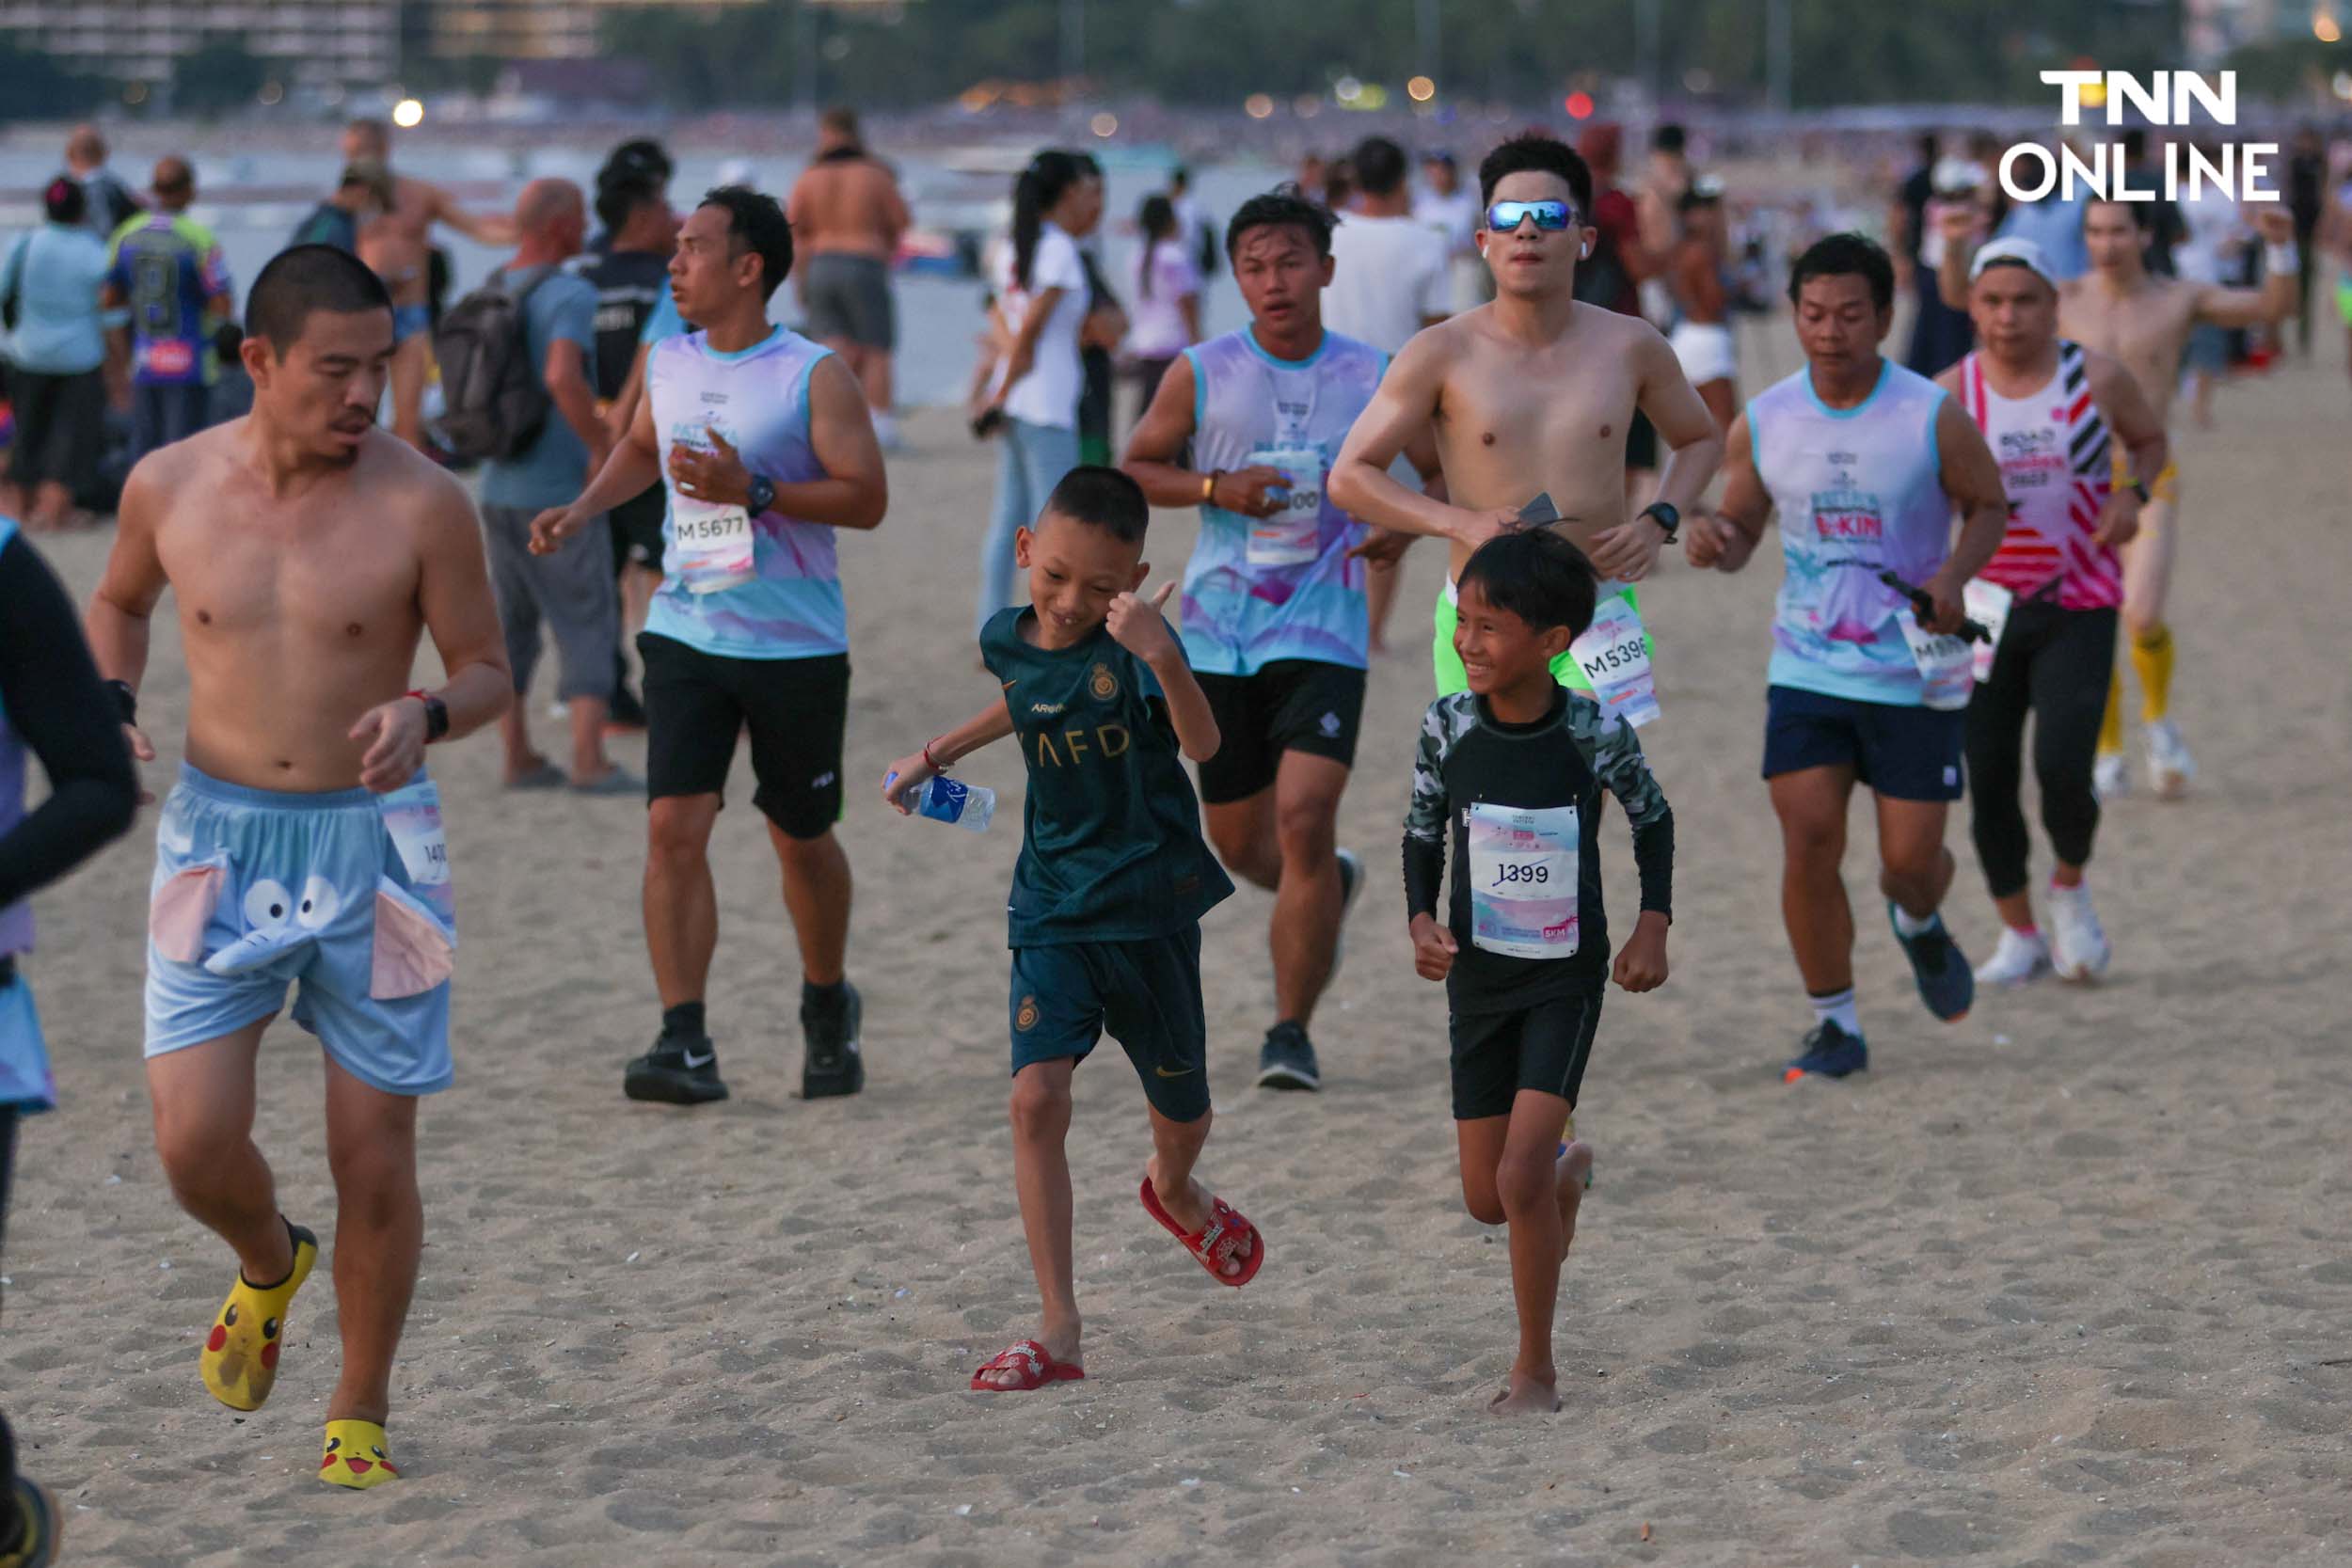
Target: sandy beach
column 2066, row 1283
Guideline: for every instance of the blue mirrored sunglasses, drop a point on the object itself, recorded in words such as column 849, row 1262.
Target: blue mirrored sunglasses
column 1505, row 217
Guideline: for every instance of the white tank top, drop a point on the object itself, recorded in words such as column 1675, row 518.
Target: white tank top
column 1858, row 490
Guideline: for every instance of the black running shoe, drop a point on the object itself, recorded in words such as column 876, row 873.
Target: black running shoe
column 679, row 1071
column 833, row 1065
column 1829, row 1052
column 1287, row 1060
column 1947, row 984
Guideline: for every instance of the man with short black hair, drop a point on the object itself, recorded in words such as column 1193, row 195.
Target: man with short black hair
column 1532, row 395
column 1244, row 426
column 767, row 448
column 309, row 552
column 1866, row 462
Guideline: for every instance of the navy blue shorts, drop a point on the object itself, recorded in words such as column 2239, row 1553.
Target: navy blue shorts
column 1904, row 754
column 1146, row 993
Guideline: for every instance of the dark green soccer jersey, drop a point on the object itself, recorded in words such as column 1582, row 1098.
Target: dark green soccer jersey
column 1111, row 847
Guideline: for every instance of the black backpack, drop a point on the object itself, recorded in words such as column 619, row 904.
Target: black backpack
column 495, row 402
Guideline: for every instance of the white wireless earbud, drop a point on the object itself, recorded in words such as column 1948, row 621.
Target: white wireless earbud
column 1584, row 250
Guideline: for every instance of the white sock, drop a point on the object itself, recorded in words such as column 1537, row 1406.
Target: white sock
column 1837, row 1008
column 1911, row 926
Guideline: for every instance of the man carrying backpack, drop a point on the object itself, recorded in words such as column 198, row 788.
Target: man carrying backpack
column 516, row 364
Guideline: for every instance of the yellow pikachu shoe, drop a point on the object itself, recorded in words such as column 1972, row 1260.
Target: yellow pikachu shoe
column 239, row 1360
column 355, row 1456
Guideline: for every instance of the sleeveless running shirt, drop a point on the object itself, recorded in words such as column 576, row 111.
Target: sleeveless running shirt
column 2053, row 448
column 758, row 398
column 1262, row 589
column 1858, row 491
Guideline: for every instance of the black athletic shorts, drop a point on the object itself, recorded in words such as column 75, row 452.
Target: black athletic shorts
column 1541, row 1046
column 697, row 704
column 1291, row 705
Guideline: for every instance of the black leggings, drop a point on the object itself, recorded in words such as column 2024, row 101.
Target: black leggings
column 2055, row 662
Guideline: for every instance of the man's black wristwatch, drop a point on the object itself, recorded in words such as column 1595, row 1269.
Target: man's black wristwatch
column 762, row 496
column 435, row 715
column 1668, row 516
column 126, row 701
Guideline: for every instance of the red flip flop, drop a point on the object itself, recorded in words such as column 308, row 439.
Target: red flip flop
column 1213, row 1246
column 1034, row 1364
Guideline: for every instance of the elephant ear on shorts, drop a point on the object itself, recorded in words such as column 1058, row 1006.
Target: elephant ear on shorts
column 414, row 952
column 182, row 908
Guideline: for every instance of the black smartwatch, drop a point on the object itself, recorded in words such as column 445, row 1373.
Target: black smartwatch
column 435, row 715
column 126, row 701
column 762, row 496
column 1669, row 518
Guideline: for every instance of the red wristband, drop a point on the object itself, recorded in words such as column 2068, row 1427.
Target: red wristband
column 929, row 761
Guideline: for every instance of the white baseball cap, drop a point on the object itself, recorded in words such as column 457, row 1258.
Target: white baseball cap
column 2015, row 250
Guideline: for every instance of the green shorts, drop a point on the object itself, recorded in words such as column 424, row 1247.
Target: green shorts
column 1447, row 663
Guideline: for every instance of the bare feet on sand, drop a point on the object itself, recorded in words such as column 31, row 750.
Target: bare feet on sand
column 1576, row 1171
column 1526, row 1394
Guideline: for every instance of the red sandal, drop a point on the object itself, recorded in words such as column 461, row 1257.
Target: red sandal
column 1213, row 1246
column 1034, row 1364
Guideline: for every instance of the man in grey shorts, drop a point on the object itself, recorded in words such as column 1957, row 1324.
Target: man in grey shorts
column 570, row 591
column 847, row 217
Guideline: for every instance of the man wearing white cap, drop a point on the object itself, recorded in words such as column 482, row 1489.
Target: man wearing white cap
column 2057, row 416
column 2144, row 321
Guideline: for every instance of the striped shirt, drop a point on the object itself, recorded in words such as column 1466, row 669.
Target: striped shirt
column 2056, row 467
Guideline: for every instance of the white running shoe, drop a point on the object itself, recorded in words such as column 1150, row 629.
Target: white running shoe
column 2170, row 766
column 2078, row 946
column 2112, row 776
column 2019, row 958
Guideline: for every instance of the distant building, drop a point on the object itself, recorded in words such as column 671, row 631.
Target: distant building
column 352, row 43
column 323, row 42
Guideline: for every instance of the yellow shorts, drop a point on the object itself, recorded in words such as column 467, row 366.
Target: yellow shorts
column 2165, row 487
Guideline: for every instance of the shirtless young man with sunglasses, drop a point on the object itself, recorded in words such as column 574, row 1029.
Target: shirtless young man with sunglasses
column 1529, row 395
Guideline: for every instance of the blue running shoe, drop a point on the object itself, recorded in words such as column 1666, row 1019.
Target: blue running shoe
column 1947, row 984
column 1831, row 1052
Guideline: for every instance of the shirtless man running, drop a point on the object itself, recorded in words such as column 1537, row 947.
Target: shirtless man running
column 1531, row 395
column 398, row 245
column 2121, row 309
column 309, row 552
column 847, row 217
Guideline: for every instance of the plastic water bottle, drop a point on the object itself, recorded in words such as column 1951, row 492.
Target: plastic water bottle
column 971, row 807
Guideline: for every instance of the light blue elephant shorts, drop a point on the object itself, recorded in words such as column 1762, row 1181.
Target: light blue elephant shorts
column 346, row 893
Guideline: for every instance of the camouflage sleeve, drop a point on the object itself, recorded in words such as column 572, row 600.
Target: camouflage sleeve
column 1425, row 818
column 1617, row 762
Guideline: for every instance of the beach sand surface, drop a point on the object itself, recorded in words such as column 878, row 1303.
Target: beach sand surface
column 2068, row 1282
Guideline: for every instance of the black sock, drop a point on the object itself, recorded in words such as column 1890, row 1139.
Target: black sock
column 824, row 999
column 683, row 1022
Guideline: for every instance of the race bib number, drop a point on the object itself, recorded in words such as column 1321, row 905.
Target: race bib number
column 1614, row 653
column 412, row 815
column 1948, row 670
column 1292, row 536
column 1987, row 604
column 1522, row 872
column 714, row 544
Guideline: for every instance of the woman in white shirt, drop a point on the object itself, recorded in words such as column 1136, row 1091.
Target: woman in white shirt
column 1167, row 316
column 1042, row 295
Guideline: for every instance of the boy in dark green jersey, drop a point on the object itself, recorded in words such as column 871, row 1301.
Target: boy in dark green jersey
column 1112, row 881
column 1515, row 767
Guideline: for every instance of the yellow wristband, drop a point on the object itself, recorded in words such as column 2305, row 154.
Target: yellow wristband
column 1208, row 485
